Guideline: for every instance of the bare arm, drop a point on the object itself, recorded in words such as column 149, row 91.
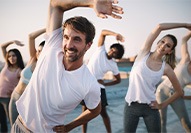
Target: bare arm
column 155, row 33
column 117, row 80
column 105, row 33
column 31, row 38
column 102, row 8
column 5, row 45
column 187, row 97
column 82, row 119
column 185, row 57
column 176, row 85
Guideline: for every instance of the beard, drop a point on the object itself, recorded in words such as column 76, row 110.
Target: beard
column 74, row 56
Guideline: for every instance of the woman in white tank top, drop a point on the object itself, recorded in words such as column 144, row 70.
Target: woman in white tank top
column 165, row 89
column 145, row 75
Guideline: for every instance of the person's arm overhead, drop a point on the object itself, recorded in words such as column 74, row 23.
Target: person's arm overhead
column 31, row 38
column 154, row 34
column 105, row 33
column 102, row 8
column 5, row 45
column 185, row 56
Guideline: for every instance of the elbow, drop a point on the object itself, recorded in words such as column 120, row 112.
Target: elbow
column 97, row 110
column 160, row 26
column 181, row 93
column 118, row 81
column 31, row 36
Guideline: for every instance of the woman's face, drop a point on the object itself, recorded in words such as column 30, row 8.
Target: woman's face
column 165, row 46
column 12, row 58
column 38, row 51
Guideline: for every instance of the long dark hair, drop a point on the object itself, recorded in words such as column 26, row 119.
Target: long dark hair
column 19, row 62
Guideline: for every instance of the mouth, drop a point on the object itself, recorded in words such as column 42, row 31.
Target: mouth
column 70, row 52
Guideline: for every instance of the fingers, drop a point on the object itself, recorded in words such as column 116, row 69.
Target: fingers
column 59, row 129
column 154, row 105
column 104, row 9
column 117, row 9
column 115, row 1
column 115, row 16
column 101, row 15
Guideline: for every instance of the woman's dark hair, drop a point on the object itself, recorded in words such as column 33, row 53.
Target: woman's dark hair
column 119, row 48
column 83, row 25
column 42, row 44
column 19, row 62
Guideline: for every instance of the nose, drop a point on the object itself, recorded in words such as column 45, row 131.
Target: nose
column 10, row 57
column 163, row 46
column 69, row 44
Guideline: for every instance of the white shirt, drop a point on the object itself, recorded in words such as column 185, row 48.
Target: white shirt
column 53, row 92
column 142, row 82
column 99, row 64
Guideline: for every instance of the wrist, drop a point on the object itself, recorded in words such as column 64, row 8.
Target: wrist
column 160, row 106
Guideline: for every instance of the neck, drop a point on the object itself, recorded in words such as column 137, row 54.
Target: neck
column 70, row 66
column 155, row 56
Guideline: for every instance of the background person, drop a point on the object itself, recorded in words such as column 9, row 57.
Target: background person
column 26, row 73
column 9, row 76
column 99, row 64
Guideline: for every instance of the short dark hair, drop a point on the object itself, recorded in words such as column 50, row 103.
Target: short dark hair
column 83, row 25
column 120, row 49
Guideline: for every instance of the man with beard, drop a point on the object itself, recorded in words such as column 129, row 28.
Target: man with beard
column 60, row 80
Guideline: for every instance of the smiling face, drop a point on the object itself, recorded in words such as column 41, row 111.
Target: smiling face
column 165, row 46
column 74, row 44
column 112, row 53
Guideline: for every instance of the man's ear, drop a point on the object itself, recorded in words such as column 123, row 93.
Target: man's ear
column 88, row 45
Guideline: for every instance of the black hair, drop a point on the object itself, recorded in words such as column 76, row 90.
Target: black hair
column 119, row 48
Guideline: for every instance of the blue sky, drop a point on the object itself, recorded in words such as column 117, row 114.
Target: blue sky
column 20, row 17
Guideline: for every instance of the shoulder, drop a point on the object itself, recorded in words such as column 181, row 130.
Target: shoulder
column 168, row 69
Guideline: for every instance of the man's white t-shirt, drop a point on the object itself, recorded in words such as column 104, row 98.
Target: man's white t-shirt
column 53, row 92
column 99, row 64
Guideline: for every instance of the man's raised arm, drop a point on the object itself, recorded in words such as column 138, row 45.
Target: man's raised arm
column 102, row 8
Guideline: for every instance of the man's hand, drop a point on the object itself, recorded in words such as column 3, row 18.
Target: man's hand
column 59, row 129
column 120, row 38
column 105, row 8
